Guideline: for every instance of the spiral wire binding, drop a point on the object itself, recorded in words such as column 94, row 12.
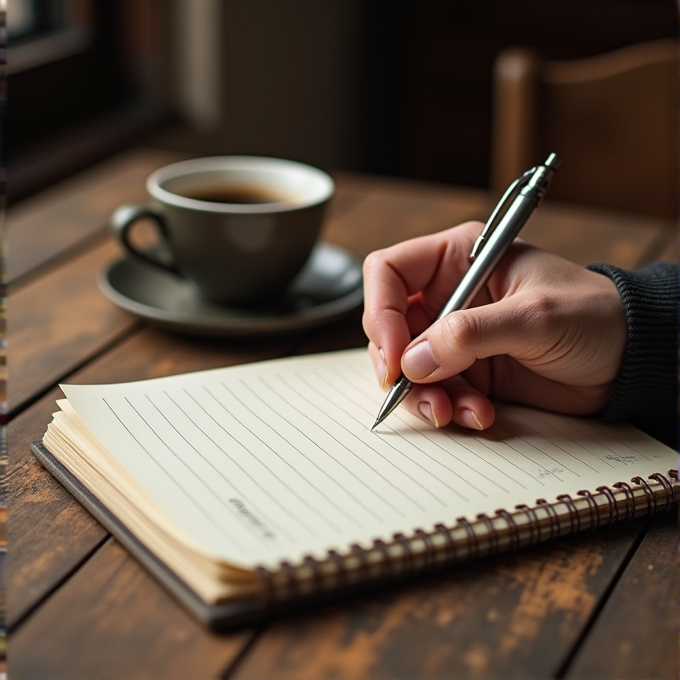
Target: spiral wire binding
column 430, row 550
column 514, row 531
column 387, row 560
column 472, row 538
column 390, row 567
column 493, row 534
column 668, row 486
column 651, row 498
column 611, row 499
column 630, row 499
column 451, row 552
column 360, row 554
column 533, row 520
column 552, row 514
column 408, row 553
column 315, row 568
column 592, row 507
column 340, row 567
column 574, row 516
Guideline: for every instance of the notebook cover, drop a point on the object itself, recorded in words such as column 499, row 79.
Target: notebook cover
column 216, row 617
column 239, row 612
column 213, row 616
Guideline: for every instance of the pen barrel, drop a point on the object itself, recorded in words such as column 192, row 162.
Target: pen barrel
column 491, row 254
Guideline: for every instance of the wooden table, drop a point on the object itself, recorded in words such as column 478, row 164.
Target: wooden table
column 599, row 605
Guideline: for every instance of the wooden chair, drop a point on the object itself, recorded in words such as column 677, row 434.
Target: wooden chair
column 613, row 119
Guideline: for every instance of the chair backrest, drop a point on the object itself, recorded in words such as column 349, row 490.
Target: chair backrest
column 613, row 118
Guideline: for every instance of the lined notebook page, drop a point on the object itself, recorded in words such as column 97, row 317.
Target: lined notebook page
column 276, row 460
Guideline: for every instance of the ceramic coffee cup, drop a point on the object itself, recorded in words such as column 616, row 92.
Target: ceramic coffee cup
column 238, row 227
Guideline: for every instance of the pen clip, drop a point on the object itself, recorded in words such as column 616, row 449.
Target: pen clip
column 492, row 221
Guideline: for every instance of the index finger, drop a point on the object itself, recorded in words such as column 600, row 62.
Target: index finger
column 422, row 270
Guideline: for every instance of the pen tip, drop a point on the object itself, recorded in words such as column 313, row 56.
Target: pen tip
column 377, row 422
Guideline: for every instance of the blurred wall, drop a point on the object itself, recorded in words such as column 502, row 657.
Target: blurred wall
column 399, row 87
column 438, row 104
column 286, row 82
column 289, row 76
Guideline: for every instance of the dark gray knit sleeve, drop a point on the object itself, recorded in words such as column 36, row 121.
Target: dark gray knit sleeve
column 646, row 389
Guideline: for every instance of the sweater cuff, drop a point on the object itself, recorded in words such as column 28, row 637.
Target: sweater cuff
column 646, row 390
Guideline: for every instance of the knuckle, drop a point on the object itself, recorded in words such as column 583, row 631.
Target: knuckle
column 373, row 261
column 461, row 330
column 540, row 311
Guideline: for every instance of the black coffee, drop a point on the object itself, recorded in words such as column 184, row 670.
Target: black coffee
column 235, row 193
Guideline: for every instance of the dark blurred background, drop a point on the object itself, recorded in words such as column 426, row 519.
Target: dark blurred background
column 398, row 87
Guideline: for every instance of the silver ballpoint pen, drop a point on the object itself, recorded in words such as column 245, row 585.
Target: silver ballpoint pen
column 526, row 192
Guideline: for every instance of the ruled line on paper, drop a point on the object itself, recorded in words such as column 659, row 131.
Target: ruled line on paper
column 238, row 491
column 164, row 470
column 361, row 424
column 356, row 457
column 562, row 446
column 459, row 460
column 493, row 452
column 561, row 439
column 561, row 442
column 297, row 472
column 250, row 476
column 555, row 472
column 324, row 472
column 273, row 451
column 564, row 427
column 241, row 492
column 511, row 443
column 356, row 454
column 235, row 504
column 327, row 454
column 384, row 477
column 458, row 442
column 449, row 454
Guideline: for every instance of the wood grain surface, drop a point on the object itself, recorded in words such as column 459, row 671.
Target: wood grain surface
column 113, row 620
column 638, row 626
column 59, row 322
column 71, row 212
column 482, row 621
column 49, row 534
column 595, row 605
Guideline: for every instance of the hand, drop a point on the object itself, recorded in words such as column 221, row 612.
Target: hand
column 543, row 331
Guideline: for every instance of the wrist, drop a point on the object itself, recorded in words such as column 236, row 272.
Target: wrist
column 645, row 389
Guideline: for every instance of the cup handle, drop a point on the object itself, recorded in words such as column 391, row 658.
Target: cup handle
column 121, row 222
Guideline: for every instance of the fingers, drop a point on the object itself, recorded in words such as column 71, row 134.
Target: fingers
column 379, row 366
column 516, row 326
column 456, row 402
column 552, row 330
column 407, row 284
column 453, row 400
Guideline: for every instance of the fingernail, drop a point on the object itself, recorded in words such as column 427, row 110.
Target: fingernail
column 419, row 362
column 382, row 368
column 425, row 409
column 468, row 418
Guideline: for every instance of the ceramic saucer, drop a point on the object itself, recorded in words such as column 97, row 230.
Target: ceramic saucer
column 329, row 286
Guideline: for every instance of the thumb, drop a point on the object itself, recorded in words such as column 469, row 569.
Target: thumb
column 455, row 342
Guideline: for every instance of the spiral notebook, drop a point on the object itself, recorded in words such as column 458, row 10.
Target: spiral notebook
column 253, row 489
